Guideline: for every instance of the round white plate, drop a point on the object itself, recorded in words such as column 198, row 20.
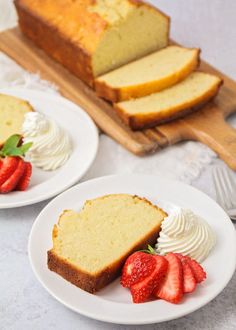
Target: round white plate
column 113, row 303
column 84, row 136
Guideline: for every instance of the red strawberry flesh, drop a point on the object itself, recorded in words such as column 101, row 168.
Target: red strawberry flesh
column 197, row 269
column 172, row 287
column 136, row 268
column 143, row 290
column 190, row 283
column 14, row 178
column 9, row 165
column 25, row 179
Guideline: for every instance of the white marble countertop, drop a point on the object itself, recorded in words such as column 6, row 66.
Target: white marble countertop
column 24, row 304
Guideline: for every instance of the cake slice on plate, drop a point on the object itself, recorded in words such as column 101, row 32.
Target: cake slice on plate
column 91, row 246
column 171, row 103
column 12, row 112
column 148, row 75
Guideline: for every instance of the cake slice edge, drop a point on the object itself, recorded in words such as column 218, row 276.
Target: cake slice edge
column 123, row 93
column 149, row 120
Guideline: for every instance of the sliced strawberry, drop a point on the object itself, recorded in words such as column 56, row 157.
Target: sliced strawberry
column 181, row 256
column 12, row 181
column 190, row 282
column 25, row 179
column 172, row 288
column 142, row 291
column 136, row 268
column 160, row 269
column 9, row 165
column 198, row 271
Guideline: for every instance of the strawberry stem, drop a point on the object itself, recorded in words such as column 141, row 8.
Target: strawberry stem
column 149, row 250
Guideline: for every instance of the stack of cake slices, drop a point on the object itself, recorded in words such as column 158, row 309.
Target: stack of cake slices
column 159, row 87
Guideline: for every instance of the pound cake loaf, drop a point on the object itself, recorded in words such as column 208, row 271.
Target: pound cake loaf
column 90, row 247
column 174, row 102
column 92, row 37
column 148, row 75
column 12, row 112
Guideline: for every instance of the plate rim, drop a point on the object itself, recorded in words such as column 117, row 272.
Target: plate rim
column 60, row 98
column 107, row 319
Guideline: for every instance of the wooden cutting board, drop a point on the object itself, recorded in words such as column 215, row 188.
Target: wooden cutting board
column 207, row 125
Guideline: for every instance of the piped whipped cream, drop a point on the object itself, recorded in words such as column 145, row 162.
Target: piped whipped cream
column 185, row 232
column 51, row 145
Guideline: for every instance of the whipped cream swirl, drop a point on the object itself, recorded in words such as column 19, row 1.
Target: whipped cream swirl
column 187, row 233
column 51, row 145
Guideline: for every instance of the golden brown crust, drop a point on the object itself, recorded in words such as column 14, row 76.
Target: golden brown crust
column 111, row 94
column 76, row 26
column 139, row 122
column 45, row 35
column 79, row 278
column 93, row 283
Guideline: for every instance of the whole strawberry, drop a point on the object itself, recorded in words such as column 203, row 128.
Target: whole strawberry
column 14, row 171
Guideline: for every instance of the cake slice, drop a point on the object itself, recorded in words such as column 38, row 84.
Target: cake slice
column 148, row 75
column 171, row 103
column 12, row 112
column 90, row 246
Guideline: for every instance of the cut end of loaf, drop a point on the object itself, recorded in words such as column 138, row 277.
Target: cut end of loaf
column 142, row 31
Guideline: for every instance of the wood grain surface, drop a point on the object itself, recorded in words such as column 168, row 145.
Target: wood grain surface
column 206, row 125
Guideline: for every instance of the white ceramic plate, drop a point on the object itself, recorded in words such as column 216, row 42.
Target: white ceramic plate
column 84, row 136
column 113, row 304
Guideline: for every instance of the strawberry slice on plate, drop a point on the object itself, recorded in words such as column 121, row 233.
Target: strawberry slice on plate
column 198, row 271
column 13, row 180
column 25, row 179
column 8, row 166
column 136, row 268
column 172, row 287
column 13, row 169
column 190, row 283
column 142, row 291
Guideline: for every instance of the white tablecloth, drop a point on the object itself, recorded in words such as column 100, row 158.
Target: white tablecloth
column 24, row 304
